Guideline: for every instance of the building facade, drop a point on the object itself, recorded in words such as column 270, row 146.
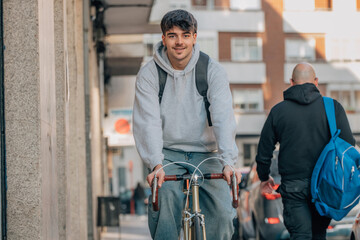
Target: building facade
column 259, row 42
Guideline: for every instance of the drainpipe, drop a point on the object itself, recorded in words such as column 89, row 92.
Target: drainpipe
column 2, row 132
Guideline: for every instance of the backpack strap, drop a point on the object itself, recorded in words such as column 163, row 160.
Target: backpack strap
column 201, row 70
column 330, row 113
column 162, row 80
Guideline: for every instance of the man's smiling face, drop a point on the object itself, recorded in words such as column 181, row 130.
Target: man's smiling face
column 179, row 44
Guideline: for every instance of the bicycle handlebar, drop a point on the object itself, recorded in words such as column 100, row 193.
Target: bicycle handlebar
column 154, row 187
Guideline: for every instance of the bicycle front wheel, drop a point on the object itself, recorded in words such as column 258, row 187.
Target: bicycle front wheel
column 197, row 228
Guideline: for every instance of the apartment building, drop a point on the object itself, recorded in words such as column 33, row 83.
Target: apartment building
column 260, row 41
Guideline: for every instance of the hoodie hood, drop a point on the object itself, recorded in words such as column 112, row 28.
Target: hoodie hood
column 303, row 94
column 161, row 58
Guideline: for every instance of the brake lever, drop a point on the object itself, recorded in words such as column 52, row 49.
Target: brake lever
column 234, row 186
column 155, row 194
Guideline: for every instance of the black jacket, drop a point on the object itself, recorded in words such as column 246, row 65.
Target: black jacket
column 300, row 125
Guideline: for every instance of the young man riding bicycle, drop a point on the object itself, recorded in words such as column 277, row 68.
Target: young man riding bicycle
column 174, row 127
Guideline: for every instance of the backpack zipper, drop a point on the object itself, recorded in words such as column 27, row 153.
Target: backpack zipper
column 336, row 162
column 342, row 165
column 352, row 172
column 343, row 179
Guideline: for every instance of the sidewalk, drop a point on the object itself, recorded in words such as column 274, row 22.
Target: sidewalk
column 132, row 227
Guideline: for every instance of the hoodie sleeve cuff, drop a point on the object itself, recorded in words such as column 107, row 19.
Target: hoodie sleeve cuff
column 153, row 165
column 264, row 178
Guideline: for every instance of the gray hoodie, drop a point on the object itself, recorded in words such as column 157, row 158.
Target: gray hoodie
column 180, row 122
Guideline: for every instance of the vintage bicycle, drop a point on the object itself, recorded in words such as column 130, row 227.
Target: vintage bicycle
column 193, row 222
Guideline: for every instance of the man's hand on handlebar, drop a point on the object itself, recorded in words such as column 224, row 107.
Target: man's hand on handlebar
column 228, row 172
column 160, row 176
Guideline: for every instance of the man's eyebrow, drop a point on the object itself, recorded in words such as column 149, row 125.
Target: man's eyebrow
column 172, row 33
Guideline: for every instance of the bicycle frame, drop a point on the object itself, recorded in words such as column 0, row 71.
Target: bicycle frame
column 188, row 218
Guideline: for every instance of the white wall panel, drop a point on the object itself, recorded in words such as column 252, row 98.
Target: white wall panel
column 354, row 120
column 333, row 22
column 125, row 50
column 249, row 123
column 249, row 73
column 230, row 21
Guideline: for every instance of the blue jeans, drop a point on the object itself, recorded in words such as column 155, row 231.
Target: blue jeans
column 215, row 199
column 140, row 207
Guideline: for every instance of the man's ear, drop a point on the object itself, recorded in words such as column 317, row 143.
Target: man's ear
column 163, row 40
column 292, row 82
column 316, row 81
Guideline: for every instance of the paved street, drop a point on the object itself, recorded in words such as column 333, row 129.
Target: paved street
column 131, row 228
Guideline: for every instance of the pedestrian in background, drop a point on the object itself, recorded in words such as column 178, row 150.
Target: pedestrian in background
column 178, row 130
column 139, row 197
column 300, row 125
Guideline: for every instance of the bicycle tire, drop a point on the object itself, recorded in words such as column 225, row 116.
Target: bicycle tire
column 198, row 232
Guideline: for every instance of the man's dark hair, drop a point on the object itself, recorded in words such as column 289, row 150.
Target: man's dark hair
column 179, row 18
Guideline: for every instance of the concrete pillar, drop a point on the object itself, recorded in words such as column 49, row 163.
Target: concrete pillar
column 62, row 110
column 30, row 115
column 77, row 225
column 51, row 192
column 95, row 128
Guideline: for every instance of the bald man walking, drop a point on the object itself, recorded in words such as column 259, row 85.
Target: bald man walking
column 300, row 126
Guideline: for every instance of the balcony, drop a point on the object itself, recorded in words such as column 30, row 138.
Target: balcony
column 354, row 120
column 230, row 21
column 331, row 22
column 124, row 58
column 245, row 73
column 249, row 123
column 214, row 19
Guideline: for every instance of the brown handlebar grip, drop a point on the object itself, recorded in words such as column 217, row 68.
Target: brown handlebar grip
column 170, row 178
column 217, row 176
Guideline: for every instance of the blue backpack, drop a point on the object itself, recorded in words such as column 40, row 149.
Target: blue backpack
column 335, row 182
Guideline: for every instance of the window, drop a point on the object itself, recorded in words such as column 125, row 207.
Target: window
column 307, row 5
column 150, row 40
column 343, row 49
column 246, row 49
column 300, row 49
column 248, row 100
column 199, row 2
column 304, row 5
column 208, row 46
column 323, row 4
column 245, row 4
column 179, row 4
column 203, row 4
column 122, row 179
column 349, row 99
column 249, row 153
column 149, row 49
